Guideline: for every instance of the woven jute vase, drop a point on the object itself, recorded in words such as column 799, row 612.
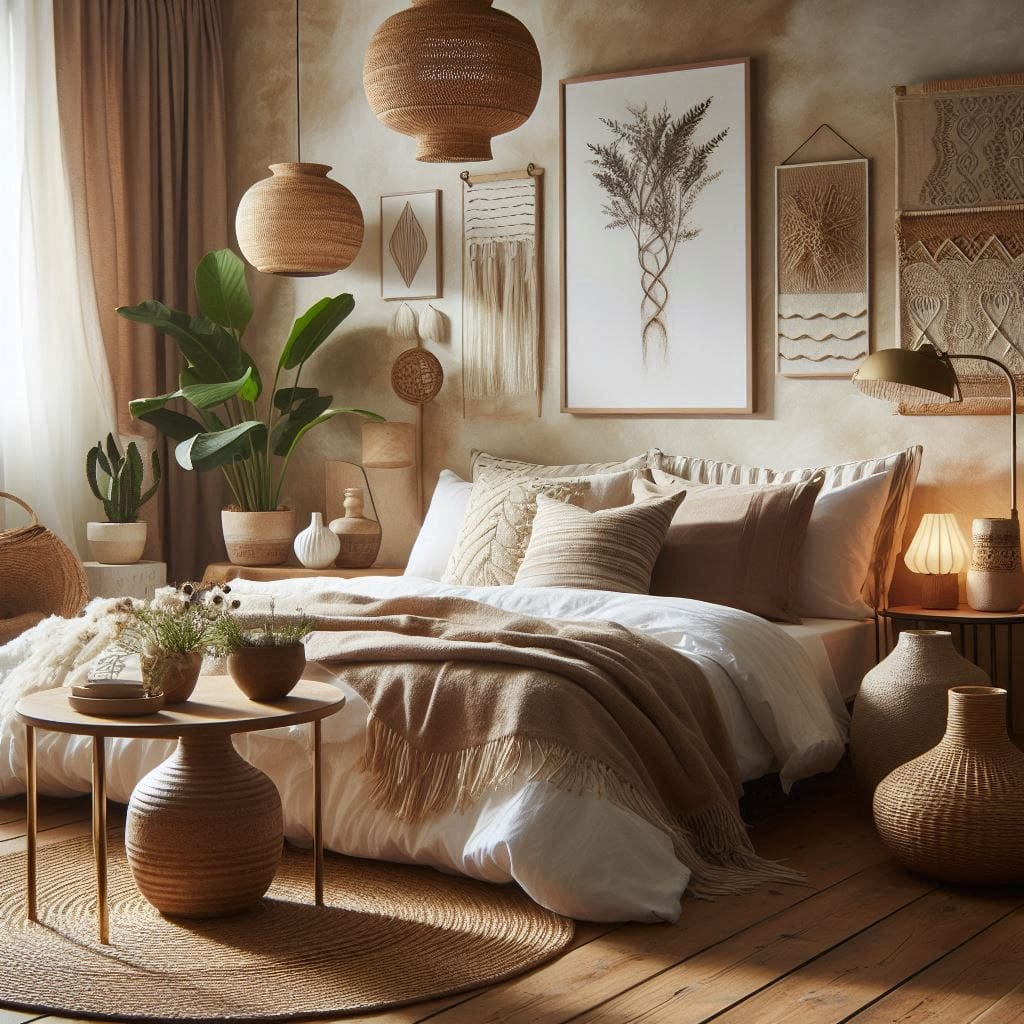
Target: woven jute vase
column 901, row 707
column 299, row 223
column 957, row 812
column 452, row 73
column 995, row 582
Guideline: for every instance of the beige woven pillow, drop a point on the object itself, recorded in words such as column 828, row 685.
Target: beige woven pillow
column 735, row 544
column 499, row 518
column 614, row 549
column 483, row 462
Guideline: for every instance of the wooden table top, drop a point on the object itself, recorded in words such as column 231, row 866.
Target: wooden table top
column 225, row 572
column 963, row 614
column 217, row 705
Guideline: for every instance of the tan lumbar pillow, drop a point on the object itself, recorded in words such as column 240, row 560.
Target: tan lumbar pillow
column 499, row 518
column 614, row 549
column 734, row 544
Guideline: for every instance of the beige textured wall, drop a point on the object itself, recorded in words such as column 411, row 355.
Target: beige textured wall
column 814, row 61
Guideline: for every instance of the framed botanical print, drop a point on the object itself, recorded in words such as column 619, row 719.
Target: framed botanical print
column 657, row 241
column 410, row 245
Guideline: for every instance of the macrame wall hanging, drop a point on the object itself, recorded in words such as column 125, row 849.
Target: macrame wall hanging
column 822, row 309
column 501, row 293
column 960, row 230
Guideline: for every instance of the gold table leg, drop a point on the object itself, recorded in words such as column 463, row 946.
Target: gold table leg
column 31, row 798
column 318, row 818
column 99, row 832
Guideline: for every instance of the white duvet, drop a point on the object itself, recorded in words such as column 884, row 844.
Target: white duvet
column 577, row 855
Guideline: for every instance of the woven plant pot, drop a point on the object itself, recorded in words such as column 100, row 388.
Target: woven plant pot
column 258, row 538
column 299, row 222
column 452, row 73
column 957, row 812
column 39, row 574
column 901, row 707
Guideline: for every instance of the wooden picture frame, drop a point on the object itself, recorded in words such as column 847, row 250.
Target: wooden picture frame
column 411, row 261
column 720, row 362
column 822, row 329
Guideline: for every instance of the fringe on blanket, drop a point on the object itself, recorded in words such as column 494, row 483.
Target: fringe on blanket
column 414, row 784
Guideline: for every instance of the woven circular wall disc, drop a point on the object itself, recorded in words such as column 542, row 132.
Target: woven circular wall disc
column 299, row 223
column 417, row 376
column 453, row 74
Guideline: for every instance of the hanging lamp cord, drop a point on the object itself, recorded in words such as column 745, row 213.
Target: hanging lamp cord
column 298, row 90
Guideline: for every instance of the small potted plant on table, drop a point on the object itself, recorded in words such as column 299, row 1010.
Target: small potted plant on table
column 266, row 661
column 116, row 479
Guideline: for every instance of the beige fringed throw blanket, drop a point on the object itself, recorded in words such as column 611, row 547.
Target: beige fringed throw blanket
column 464, row 696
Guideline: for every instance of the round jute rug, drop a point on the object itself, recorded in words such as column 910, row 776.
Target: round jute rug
column 390, row 934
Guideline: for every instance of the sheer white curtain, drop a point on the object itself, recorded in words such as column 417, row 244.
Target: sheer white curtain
column 56, row 398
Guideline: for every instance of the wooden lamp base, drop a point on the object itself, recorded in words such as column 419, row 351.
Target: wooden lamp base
column 940, row 590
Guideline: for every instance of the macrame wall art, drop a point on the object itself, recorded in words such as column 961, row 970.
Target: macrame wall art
column 501, row 293
column 821, row 265
column 960, row 229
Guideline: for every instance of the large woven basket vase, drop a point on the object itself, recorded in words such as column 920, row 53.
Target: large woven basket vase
column 901, row 707
column 957, row 812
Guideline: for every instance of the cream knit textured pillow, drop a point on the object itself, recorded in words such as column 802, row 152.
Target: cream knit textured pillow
column 614, row 549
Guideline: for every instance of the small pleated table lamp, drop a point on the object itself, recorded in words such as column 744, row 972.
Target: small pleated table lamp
column 938, row 554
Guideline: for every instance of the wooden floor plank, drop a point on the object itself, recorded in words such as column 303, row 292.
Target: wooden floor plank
column 836, row 986
column 1009, row 1009
column 602, row 969
column 732, row 970
column 48, row 819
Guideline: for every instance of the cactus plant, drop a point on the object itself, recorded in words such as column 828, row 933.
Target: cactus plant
column 122, row 494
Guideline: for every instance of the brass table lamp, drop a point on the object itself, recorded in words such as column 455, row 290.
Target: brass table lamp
column 912, row 376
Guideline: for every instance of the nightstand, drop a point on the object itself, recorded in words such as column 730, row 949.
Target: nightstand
column 225, row 572
column 985, row 638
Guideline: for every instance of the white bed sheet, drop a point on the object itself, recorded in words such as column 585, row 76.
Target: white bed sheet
column 581, row 856
column 846, row 646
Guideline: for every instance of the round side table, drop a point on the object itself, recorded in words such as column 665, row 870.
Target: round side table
column 965, row 623
column 204, row 790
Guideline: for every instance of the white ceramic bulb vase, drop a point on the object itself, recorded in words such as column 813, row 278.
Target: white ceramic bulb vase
column 316, row 547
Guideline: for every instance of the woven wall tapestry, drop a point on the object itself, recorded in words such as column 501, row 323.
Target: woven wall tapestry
column 501, row 293
column 960, row 229
column 410, row 245
column 821, row 261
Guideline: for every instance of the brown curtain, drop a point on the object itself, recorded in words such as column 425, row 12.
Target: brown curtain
column 141, row 93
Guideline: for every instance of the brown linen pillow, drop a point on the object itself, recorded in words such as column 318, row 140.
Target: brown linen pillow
column 613, row 549
column 496, row 529
column 735, row 544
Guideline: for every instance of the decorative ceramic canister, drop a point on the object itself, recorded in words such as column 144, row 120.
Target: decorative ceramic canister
column 316, row 547
column 360, row 537
column 901, row 706
column 995, row 582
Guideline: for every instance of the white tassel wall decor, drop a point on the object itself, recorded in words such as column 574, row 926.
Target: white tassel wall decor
column 433, row 326
column 404, row 325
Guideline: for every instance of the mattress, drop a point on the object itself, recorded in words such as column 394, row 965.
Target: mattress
column 844, row 647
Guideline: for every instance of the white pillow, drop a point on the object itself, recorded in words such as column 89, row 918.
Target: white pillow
column 436, row 539
column 837, row 549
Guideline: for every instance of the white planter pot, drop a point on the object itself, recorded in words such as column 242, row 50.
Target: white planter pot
column 258, row 538
column 116, row 543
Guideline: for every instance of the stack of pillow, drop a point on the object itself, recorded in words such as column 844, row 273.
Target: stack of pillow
column 819, row 543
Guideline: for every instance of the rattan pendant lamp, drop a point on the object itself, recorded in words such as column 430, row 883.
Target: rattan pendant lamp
column 452, row 73
column 299, row 222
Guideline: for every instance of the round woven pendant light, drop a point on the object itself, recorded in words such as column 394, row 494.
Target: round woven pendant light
column 452, row 73
column 299, row 222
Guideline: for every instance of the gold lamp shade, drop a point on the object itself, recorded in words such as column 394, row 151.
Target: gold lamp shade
column 452, row 73
column 299, row 223
column 939, row 547
column 900, row 375
column 389, row 445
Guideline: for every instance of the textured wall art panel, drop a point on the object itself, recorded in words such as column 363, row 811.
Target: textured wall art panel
column 410, row 245
column 821, row 238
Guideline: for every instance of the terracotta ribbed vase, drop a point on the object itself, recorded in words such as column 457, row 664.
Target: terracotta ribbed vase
column 299, row 222
column 957, row 812
column 452, row 73
column 995, row 582
column 901, row 706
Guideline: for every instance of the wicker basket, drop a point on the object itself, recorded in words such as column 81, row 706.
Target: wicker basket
column 957, row 812
column 40, row 573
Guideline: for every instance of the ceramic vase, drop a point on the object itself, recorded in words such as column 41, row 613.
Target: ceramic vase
column 116, row 543
column 316, row 547
column 258, row 538
column 174, row 675
column 360, row 537
column 957, row 812
column 995, row 582
column 267, row 673
column 901, row 706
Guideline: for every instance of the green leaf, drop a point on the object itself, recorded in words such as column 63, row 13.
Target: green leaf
column 205, row 396
column 219, row 448
column 156, row 479
column 222, row 290
column 285, row 397
column 313, row 328
column 175, row 425
column 303, row 429
column 285, row 432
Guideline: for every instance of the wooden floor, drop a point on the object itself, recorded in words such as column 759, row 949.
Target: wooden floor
column 863, row 941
